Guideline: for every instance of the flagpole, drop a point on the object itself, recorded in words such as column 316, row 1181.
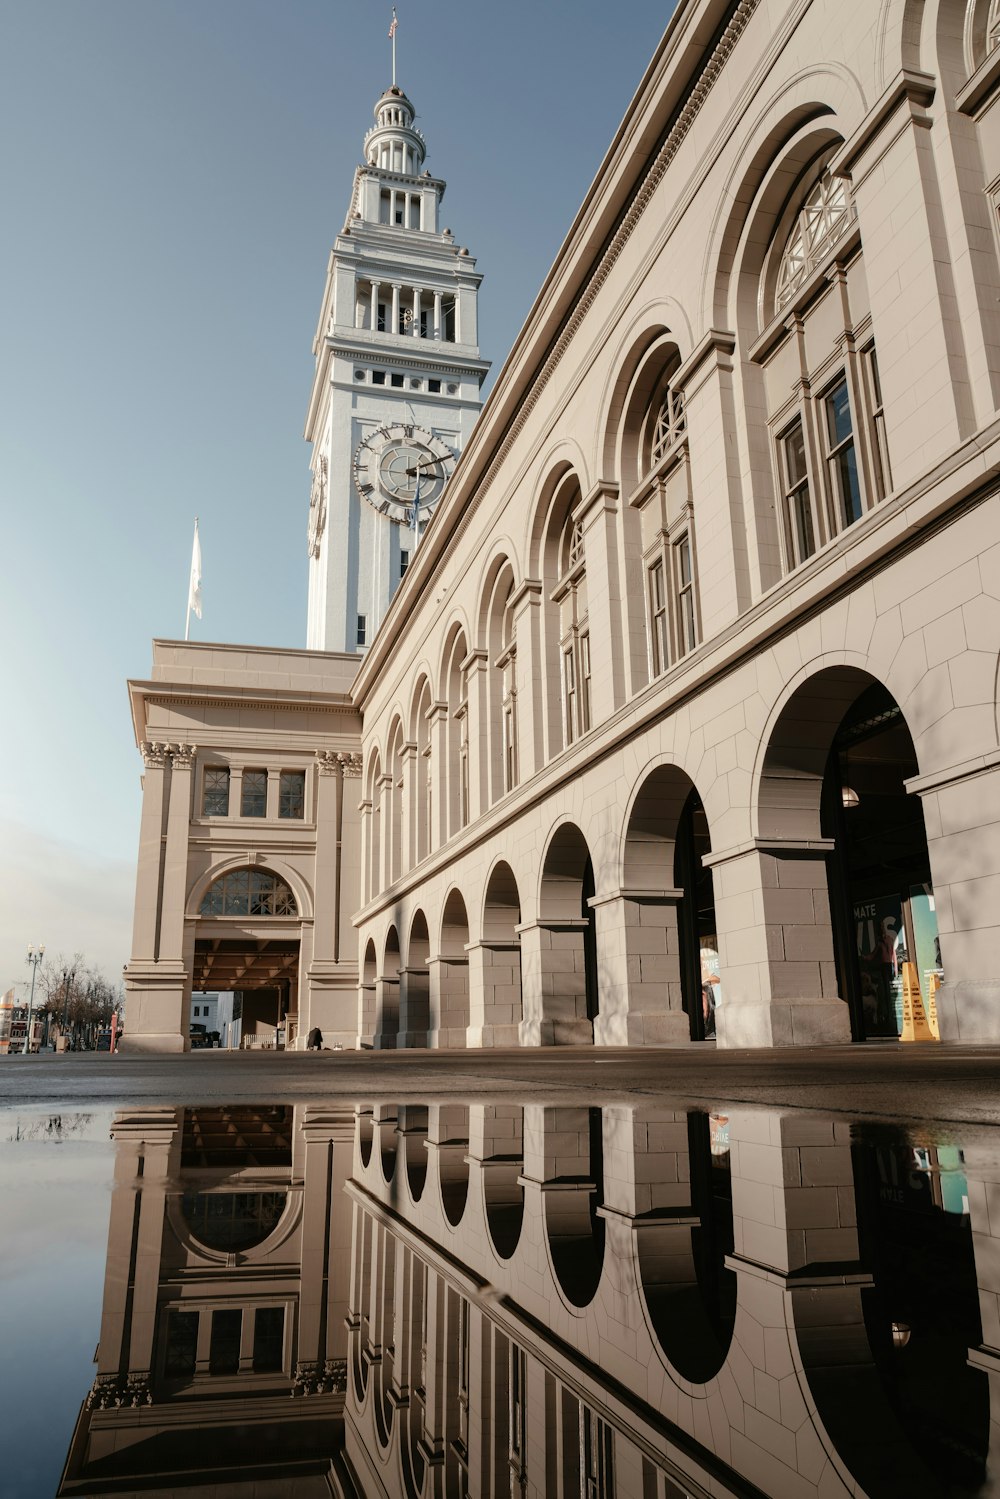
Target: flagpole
column 195, row 556
column 392, row 33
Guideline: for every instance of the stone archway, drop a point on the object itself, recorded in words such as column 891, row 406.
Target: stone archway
column 559, row 951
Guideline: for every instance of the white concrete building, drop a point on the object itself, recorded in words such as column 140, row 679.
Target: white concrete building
column 684, row 716
column 397, row 386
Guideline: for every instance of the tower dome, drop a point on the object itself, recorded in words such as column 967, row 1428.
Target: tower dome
column 394, row 144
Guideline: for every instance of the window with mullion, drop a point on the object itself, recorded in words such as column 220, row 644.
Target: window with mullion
column 215, row 791
column 799, row 532
column 253, row 794
column 659, row 631
column 687, row 630
column 841, row 454
column 292, row 794
column 569, row 691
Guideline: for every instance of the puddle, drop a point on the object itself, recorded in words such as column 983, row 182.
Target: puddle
column 439, row 1299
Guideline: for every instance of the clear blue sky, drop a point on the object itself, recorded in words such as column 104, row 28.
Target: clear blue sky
column 173, row 173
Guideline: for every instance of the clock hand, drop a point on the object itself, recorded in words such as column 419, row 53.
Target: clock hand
column 427, row 463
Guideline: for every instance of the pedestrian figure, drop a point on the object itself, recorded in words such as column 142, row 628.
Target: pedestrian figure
column 314, row 1041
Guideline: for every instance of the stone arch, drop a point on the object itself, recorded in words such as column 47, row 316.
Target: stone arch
column 495, row 636
column 560, row 950
column 394, row 793
column 665, row 985
column 560, row 496
column 414, row 990
column 373, row 838
column 387, row 993
column 648, row 324
column 455, row 782
column 836, row 823
column 367, row 1000
column 366, row 1136
column 502, row 1168
column 573, row 1167
column 423, row 766
column 498, row 959
column 448, row 1139
column 269, row 865
column 683, row 1236
column 450, row 975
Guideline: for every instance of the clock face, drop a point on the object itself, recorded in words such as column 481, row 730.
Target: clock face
column 394, row 462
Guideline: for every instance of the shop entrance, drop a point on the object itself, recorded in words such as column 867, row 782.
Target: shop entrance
column 881, row 898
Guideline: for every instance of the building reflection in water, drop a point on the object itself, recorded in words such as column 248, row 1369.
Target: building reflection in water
column 546, row 1301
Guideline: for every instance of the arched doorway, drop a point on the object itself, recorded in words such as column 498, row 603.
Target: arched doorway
column 881, row 897
column 842, row 872
column 450, row 992
column 568, row 950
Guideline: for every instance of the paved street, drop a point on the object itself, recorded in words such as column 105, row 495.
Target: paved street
column 890, row 1082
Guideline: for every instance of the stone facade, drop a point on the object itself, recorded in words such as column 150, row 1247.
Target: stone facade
column 683, row 720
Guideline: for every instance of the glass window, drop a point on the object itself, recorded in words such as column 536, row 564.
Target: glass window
column 518, row 1405
column 268, row 1339
column 253, row 798
column 182, row 1344
column 569, row 689
column 224, row 1352
column 404, row 561
column 215, row 792
column 658, row 617
column 798, row 502
column 842, row 455
column 248, row 892
column 822, row 218
column 883, row 476
column 434, row 386
column 585, row 682
column 685, row 594
column 670, row 423
column 378, row 377
column 292, row 793
column 397, row 380
column 362, row 629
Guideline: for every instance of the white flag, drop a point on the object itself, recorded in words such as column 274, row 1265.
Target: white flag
column 194, row 590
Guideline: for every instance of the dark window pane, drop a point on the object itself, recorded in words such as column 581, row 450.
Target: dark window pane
column 215, row 797
column 838, row 413
column 182, row 1344
column 850, row 489
column 254, row 800
column 224, row 1354
column 795, row 455
column 292, row 793
column 268, row 1339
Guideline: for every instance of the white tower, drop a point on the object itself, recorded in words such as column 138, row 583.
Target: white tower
column 397, row 385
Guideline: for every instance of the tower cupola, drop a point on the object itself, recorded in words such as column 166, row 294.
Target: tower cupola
column 394, row 144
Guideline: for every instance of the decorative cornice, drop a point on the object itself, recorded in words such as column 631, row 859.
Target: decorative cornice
column 112, row 1391
column 315, row 1377
column 640, row 202
column 155, row 754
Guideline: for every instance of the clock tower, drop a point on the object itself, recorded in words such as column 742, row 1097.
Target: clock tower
column 398, row 381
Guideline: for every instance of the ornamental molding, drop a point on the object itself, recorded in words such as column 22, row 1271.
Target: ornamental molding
column 156, row 753
column 112, row 1391
column 320, row 1377
column 317, row 506
column 338, row 762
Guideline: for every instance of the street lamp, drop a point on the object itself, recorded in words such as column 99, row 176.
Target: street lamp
column 34, row 957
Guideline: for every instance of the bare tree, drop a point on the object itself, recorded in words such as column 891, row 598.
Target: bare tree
column 79, row 998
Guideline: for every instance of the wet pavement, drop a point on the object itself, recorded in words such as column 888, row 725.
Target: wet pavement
column 523, row 1275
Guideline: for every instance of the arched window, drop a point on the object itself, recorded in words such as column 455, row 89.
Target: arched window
column 822, row 387
column 248, row 892
column 424, row 782
column 574, row 631
column 668, row 423
column 458, row 735
column 501, row 648
column 822, row 219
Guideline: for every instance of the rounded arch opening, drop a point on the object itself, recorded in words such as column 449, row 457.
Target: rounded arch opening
column 453, row 974
column 689, row 1294
column 834, row 776
column 569, row 960
column 573, row 1195
column 414, row 1001
column 501, row 959
column 503, row 1166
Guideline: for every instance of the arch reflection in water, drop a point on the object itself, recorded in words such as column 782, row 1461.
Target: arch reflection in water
column 660, row 1302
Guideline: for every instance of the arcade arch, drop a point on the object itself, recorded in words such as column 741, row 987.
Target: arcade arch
column 567, row 941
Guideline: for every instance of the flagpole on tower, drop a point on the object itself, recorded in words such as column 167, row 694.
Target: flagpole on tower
column 392, row 38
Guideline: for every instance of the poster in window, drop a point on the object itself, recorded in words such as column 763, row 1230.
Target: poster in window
column 881, row 953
